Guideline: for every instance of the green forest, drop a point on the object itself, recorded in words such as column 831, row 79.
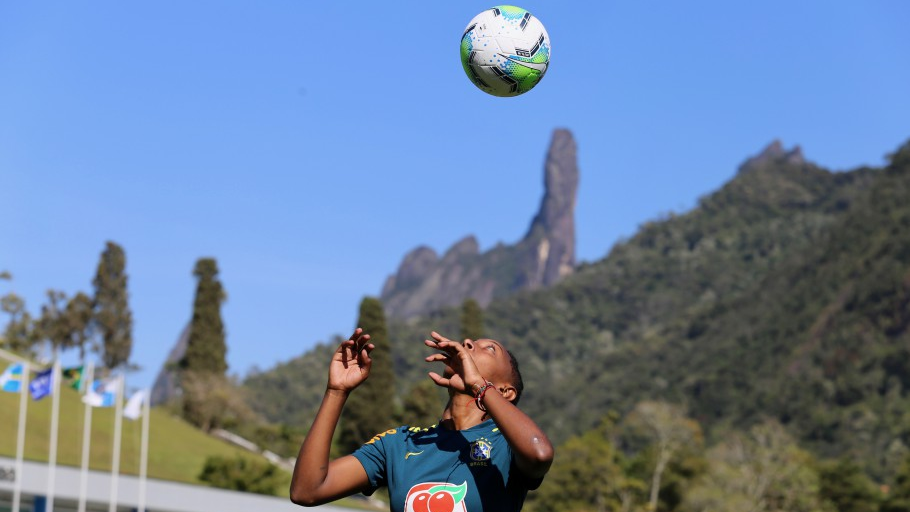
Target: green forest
column 749, row 354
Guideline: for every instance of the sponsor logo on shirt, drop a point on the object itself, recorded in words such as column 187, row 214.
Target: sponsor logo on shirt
column 436, row 497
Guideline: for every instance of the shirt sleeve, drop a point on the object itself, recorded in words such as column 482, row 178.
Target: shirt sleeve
column 372, row 457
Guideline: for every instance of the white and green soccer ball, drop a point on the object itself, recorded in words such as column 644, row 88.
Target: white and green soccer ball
column 505, row 51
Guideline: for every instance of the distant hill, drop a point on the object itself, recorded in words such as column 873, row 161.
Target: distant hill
column 785, row 294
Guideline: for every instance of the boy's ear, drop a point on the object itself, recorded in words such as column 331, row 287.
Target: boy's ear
column 508, row 392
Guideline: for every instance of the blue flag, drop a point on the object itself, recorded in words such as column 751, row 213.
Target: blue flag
column 40, row 386
column 11, row 380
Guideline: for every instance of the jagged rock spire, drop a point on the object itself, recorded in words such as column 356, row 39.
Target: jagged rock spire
column 425, row 282
column 554, row 223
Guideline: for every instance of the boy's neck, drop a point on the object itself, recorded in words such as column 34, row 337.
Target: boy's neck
column 461, row 413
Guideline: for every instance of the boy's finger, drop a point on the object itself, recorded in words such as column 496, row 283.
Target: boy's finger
column 438, row 379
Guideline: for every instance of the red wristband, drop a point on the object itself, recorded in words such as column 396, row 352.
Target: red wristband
column 478, row 395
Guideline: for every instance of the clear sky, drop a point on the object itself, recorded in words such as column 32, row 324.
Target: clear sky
column 309, row 145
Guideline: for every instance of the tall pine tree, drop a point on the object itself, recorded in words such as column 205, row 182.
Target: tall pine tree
column 113, row 319
column 206, row 349
column 206, row 391
column 471, row 320
column 368, row 410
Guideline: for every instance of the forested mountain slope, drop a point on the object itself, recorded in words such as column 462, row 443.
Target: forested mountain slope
column 785, row 294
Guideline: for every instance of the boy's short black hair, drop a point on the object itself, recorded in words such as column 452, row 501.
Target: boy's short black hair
column 517, row 382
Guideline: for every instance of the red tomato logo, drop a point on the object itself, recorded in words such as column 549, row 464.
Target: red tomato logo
column 436, row 497
column 421, row 502
column 442, row 501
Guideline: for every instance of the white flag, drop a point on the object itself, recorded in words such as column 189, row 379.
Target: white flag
column 103, row 392
column 133, row 408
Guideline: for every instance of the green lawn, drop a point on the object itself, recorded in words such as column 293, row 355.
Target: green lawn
column 177, row 450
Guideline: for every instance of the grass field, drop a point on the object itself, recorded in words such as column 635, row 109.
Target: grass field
column 177, row 450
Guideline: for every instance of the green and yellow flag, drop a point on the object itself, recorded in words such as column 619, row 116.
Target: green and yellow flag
column 73, row 377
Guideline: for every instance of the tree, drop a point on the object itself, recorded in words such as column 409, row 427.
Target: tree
column 471, row 320
column 78, row 317
column 844, row 484
column 670, row 431
column 20, row 333
column 422, row 405
column 369, row 409
column 764, row 471
column 589, row 474
column 241, row 474
column 52, row 324
column 206, row 390
column 212, row 401
column 206, row 349
column 899, row 495
column 113, row 318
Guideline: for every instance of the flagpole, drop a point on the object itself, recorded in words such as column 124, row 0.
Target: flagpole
column 115, row 463
column 144, row 457
column 86, row 437
column 20, row 435
column 55, row 420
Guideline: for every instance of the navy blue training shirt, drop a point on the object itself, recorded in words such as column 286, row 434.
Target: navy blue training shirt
column 439, row 470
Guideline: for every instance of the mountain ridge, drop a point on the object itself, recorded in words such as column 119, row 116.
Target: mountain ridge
column 784, row 294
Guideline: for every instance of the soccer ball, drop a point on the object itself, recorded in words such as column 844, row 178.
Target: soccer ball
column 505, row 51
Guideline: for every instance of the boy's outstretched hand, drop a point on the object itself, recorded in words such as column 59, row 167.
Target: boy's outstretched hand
column 351, row 363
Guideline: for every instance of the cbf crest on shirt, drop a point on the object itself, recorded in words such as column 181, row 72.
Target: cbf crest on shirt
column 480, row 452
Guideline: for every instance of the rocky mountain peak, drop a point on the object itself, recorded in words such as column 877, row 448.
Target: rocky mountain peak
column 774, row 152
column 467, row 246
column 560, row 183
column 424, row 282
column 414, row 268
column 554, row 223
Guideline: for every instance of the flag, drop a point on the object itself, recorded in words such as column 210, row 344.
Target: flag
column 103, row 393
column 40, row 386
column 133, row 408
column 11, row 380
column 73, row 377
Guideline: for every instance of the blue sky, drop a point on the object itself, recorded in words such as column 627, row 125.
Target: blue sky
column 309, row 145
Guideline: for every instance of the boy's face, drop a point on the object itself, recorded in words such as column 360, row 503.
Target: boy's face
column 492, row 360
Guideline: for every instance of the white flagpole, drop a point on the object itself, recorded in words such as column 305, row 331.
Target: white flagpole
column 55, row 420
column 144, row 456
column 20, row 435
column 86, row 437
column 115, row 463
